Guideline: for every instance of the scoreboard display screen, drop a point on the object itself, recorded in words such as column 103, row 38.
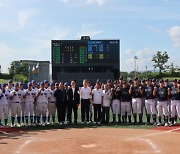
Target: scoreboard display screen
column 85, row 51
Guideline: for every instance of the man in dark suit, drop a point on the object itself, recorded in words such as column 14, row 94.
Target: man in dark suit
column 73, row 101
column 60, row 102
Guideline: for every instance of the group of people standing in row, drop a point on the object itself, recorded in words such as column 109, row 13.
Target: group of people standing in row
column 38, row 103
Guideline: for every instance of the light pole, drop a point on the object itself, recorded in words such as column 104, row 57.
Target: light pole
column 135, row 58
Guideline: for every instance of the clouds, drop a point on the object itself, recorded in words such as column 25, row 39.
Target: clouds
column 153, row 29
column 144, row 59
column 89, row 30
column 86, row 2
column 174, row 34
column 24, row 16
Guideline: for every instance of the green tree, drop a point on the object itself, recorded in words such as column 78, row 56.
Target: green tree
column 18, row 67
column 160, row 59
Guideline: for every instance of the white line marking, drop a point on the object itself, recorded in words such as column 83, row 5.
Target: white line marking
column 172, row 130
column 4, row 133
column 23, row 145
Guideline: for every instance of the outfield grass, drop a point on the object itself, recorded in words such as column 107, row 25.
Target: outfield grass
column 91, row 125
column 3, row 81
column 171, row 78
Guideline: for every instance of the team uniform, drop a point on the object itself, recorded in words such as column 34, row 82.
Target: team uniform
column 29, row 104
column 106, row 106
column 175, row 103
column 4, row 98
column 125, row 104
column 116, row 106
column 162, row 98
column 22, row 106
column 97, row 101
column 35, row 107
column 137, row 103
column 42, row 103
column 52, row 106
column 9, row 89
column 17, row 97
column 150, row 103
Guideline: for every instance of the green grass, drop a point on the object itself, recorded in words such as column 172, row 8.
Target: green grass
column 171, row 78
column 91, row 125
column 3, row 81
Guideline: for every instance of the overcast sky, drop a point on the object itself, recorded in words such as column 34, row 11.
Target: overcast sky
column 143, row 26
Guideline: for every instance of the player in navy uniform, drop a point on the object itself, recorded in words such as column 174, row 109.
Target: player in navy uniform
column 125, row 98
column 150, row 102
column 175, row 101
column 162, row 97
column 136, row 92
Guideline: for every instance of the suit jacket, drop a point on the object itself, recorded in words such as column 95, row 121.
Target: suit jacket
column 60, row 96
column 76, row 96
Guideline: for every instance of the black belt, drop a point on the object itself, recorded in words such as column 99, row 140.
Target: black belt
column 52, row 102
column 16, row 102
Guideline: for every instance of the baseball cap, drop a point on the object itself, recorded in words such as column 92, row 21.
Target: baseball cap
column 42, row 83
column 130, row 81
column 115, row 82
column 29, row 84
column 52, row 84
column 136, row 79
column 148, row 79
column 154, row 80
column 124, row 82
column 3, row 85
column 143, row 80
column 66, row 84
column 33, row 81
column 45, row 81
column 121, row 78
column 10, row 80
column 16, row 84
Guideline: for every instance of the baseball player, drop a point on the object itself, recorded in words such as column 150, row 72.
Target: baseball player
column 29, row 97
column 162, row 97
column 150, row 103
column 97, row 94
column 9, row 88
column 42, row 96
column 136, row 92
column 16, row 95
column 116, row 106
column 175, row 101
column 52, row 103
column 4, row 97
column 169, row 100
column 125, row 102
column 35, row 102
column 106, row 104
column 21, row 88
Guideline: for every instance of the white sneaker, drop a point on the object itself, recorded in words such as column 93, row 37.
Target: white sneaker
column 12, row 125
column 159, row 124
column 18, row 125
column 61, row 123
column 82, row 122
column 88, row 122
column 99, row 123
column 166, row 124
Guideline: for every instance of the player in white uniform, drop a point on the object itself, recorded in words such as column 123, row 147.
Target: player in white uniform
column 21, row 88
column 29, row 103
column 52, row 103
column 106, row 104
column 4, row 97
column 16, row 96
column 35, row 102
column 42, row 96
column 9, row 88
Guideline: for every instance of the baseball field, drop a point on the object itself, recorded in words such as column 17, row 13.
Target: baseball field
column 90, row 138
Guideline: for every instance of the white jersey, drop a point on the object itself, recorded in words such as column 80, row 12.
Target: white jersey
column 4, row 97
column 43, row 97
column 97, row 96
column 52, row 98
column 23, row 92
column 9, row 89
column 106, row 98
column 18, row 95
column 30, row 95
